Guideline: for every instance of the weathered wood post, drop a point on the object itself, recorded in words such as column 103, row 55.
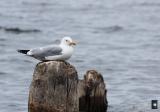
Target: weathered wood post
column 54, row 88
column 92, row 93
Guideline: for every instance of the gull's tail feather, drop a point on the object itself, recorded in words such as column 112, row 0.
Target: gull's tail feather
column 22, row 51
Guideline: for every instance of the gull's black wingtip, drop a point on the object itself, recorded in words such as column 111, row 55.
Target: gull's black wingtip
column 22, row 51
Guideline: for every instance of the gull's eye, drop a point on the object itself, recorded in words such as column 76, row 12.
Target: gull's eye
column 66, row 40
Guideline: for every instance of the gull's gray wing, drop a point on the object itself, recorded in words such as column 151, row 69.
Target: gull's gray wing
column 43, row 52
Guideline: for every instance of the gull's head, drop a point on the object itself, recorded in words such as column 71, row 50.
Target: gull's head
column 68, row 41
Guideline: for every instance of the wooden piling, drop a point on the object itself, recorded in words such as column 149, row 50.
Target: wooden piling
column 92, row 93
column 54, row 88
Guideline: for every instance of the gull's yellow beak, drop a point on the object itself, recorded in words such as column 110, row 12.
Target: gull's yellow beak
column 73, row 43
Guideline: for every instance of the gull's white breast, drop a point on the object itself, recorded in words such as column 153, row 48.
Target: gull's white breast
column 67, row 52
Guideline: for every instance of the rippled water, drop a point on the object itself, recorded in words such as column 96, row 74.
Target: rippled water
column 119, row 38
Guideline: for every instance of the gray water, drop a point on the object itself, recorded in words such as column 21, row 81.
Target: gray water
column 119, row 38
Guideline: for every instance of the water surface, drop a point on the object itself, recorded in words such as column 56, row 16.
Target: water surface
column 120, row 39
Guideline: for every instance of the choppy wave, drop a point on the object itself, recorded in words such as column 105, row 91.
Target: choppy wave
column 110, row 29
column 18, row 30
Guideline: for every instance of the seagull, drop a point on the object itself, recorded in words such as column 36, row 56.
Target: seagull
column 61, row 51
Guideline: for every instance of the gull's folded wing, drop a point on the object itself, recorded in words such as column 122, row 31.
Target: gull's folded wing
column 43, row 52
